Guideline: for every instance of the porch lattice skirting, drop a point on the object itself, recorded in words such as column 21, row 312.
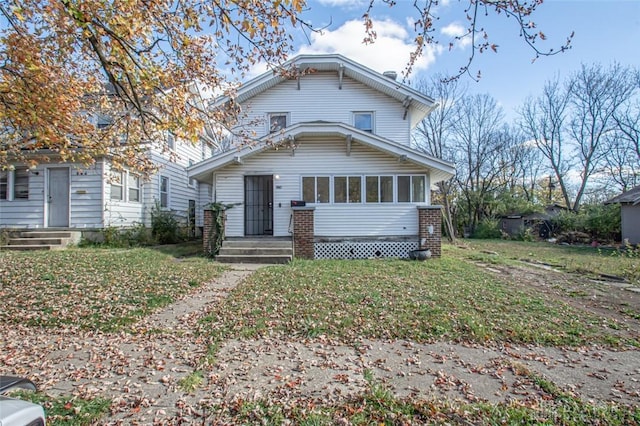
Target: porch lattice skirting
column 363, row 249
column 306, row 247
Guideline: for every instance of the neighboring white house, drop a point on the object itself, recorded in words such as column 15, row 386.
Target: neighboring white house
column 336, row 136
column 73, row 196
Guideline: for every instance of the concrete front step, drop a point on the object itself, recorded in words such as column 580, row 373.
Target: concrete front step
column 30, row 247
column 38, row 241
column 257, row 243
column 255, row 250
column 260, row 258
column 46, row 234
column 41, row 239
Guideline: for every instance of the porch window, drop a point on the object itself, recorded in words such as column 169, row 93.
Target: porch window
column 411, row 189
column 133, row 183
column 117, row 186
column 315, row 189
column 363, row 121
column 379, row 189
column 4, row 184
column 21, row 184
column 277, row 122
column 164, row 192
column 347, row 189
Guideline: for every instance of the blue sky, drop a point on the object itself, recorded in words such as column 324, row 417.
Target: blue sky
column 605, row 31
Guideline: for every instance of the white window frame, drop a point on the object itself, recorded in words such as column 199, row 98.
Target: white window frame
column 348, row 177
column 379, row 184
column 315, row 189
column 170, row 140
column 167, row 192
column 15, row 184
column 114, row 183
column 362, row 113
column 270, row 123
column 411, row 190
column 137, row 187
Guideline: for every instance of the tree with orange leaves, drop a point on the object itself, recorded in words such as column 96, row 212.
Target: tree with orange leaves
column 137, row 65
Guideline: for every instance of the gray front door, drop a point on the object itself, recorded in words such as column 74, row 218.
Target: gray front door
column 258, row 205
column 58, row 197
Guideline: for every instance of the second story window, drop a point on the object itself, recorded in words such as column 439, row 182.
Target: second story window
column 277, row 122
column 363, row 121
column 171, row 140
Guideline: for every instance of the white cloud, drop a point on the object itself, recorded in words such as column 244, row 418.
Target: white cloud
column 454, row 30
column 390, row 52
column 343, row 3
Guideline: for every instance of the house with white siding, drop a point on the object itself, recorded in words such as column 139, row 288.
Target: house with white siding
column 331, row 165
column 76, row 197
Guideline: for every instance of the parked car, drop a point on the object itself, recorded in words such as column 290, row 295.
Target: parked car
column 15, row 412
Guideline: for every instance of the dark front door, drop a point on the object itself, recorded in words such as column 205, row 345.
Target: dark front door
column 258, row 205
column 191, row 219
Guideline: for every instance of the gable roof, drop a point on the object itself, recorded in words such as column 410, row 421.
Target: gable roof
column 632, row 196
column 439, row 169
column 416, row 102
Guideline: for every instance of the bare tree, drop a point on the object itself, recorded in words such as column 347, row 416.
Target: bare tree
column 480, row 137
column 434, row 135
column 543, row 119
column 597, row 95
column 623, row 145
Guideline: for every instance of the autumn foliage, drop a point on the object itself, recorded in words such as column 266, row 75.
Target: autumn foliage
column 83, row 79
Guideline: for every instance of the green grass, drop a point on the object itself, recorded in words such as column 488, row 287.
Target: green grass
column 191, row 382
column 377, row 406
column 586, row 260
column 105, row 289
column 442, row 299
column 67, row 410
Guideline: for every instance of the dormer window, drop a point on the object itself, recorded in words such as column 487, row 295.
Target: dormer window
column 277, row 122
column 363, row 121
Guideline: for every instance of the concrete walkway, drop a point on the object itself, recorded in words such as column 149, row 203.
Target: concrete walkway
column 145, row 373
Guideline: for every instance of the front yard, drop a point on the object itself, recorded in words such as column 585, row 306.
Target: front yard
column 490, row 295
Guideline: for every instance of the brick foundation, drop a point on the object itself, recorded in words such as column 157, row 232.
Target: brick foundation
column 303, row 232
column 430, row 218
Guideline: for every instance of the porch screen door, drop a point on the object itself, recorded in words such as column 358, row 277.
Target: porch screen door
column 58, row 197
column 258, row 205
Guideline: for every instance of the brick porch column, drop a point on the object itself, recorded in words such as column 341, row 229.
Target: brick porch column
column 430, row 219
column 303, row 232
column 208, row 232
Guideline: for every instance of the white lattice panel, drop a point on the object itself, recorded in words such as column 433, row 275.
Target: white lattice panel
column 364, row 249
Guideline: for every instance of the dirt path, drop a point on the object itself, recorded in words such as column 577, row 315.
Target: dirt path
column 143, row 372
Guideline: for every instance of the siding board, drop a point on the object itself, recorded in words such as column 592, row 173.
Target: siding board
column 320, row 99
column 321, row 157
